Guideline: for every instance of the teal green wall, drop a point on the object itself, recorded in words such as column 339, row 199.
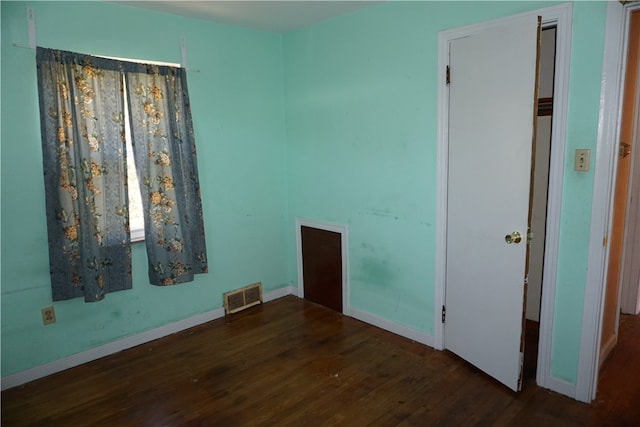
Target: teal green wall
column 361, row 123
column 237, row 103
column 584, row 99
column 335, row 122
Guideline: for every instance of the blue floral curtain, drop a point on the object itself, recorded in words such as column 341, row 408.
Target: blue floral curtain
column 165, row 151
column 81, row 113
column 84, row 156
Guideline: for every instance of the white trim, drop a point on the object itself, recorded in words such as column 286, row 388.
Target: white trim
column 280, row 293
column 136, row 235
column 605, row 164
column 561, row 17
column 344, row 243
column 74, row 360
column 560, row 386
column 141, row 61
column 606, row 347
column 95, row 353
column 393, row 327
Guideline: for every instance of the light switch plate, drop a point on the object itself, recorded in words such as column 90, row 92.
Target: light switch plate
column 581, row 162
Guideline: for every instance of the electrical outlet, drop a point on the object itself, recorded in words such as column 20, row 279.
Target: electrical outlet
column 48, row 315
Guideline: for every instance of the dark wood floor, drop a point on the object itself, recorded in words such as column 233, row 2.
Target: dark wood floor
column 292, row 363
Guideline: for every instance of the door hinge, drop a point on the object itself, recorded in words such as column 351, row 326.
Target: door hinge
column 444, row 314
column 605, row 240
column 448, row 75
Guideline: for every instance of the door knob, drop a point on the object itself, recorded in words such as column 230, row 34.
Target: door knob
column 515, row 237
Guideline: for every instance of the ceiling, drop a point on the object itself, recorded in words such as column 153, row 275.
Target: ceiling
column 266, row 15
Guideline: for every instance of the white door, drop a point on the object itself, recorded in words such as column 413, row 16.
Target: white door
column 491, row 128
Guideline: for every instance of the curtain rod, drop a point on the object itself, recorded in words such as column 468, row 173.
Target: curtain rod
column 173, row 64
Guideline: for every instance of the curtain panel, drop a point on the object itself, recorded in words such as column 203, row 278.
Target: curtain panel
column 165, row 152
column 84, row 156
column 82, row 124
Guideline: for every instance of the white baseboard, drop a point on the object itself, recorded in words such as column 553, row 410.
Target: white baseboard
column 606, row 349
column 561, row 387
column 396, row 328
column 279, row 293
column 77, row 359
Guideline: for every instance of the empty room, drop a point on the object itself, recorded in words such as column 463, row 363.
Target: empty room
column 258, row 213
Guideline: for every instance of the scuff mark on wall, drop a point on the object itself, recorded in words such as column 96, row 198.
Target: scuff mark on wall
column 375, row 271
column 385, row 213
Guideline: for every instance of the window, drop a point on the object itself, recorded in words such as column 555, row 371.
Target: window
column 95, row 205
column 136, row 214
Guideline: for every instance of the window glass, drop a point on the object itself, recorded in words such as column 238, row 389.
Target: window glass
column 136, row 217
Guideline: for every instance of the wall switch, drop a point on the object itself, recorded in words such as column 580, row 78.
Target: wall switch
column 581, row 162
column 48, row 315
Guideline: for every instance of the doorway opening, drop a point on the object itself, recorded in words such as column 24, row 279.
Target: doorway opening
column 620, row 328
column 540, row 184
column 560, row 18
column 623, row 271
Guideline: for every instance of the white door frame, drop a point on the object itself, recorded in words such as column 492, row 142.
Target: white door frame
column 559, row 16
column 344, row 239
column 612, row 86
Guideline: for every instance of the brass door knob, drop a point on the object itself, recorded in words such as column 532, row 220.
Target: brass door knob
column 515, row 237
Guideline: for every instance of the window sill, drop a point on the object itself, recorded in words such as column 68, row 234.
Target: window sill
column 136, row 235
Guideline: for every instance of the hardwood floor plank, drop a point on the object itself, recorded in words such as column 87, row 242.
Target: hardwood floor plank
column 291, row 363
